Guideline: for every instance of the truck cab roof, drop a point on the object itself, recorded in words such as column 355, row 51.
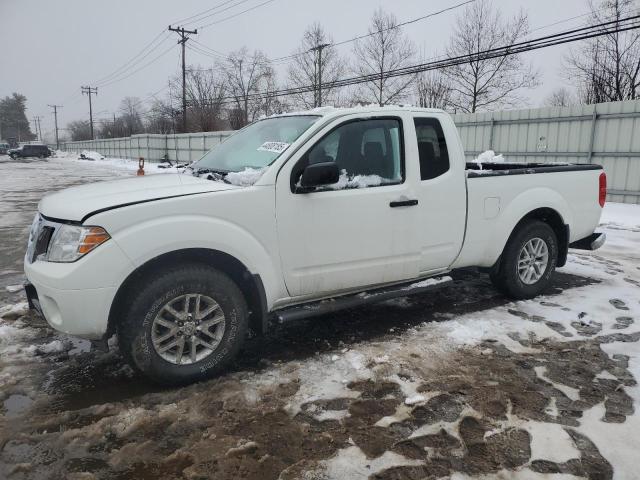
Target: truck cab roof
column 330, row 111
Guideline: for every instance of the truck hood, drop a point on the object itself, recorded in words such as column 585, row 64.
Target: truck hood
column 76, row 203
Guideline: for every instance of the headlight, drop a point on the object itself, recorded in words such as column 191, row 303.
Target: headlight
column 70, row 242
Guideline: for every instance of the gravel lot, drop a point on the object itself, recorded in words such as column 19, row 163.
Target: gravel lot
column 461, row 383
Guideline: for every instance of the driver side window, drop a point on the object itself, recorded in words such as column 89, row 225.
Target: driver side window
column 368, row 153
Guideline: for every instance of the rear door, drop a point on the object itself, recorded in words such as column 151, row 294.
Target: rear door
column 441, row 191
column 355, row 233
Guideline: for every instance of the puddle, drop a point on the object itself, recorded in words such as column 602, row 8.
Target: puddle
column 90, row 380
column 16, row 405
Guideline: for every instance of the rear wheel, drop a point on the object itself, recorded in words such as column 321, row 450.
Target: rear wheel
column 185, row 325
column 528, row 261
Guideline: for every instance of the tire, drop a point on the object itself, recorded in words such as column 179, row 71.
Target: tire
column 532, row 278
column 147, row 320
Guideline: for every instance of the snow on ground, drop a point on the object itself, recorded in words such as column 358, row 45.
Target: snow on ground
column 117, row 163
column 459, row 383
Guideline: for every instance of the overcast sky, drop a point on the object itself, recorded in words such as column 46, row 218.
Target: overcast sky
column 52, row 47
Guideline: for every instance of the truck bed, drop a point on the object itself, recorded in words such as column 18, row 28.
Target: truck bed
column 496, row 204
column 488, row 169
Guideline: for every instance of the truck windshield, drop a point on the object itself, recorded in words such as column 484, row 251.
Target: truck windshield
column 255, row 146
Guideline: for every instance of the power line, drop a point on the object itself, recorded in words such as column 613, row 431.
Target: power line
column 189, row 20
column 407, row 22
column 235, row 15
column 136, row 58
column 209, row 49
column 155, row 59
column 584, row 33
column 240, row 2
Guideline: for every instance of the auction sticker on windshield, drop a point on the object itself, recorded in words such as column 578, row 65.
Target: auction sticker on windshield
column 275, row 147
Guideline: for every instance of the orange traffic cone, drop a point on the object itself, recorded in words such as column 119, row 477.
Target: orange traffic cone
column 140, row 166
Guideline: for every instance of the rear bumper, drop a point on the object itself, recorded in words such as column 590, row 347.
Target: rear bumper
column 592, row 242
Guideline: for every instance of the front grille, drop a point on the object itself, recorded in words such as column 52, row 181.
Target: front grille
column 42, row 241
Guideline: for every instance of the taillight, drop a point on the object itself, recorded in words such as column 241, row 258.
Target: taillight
column 602, row 190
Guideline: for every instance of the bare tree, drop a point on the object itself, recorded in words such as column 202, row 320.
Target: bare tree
column 130, row 115
column 488, row 83
column 433, row 90
column 384, row 49
column 246, row 75
column 560, row 97
column 161, row 117
column 607, row 68
column 205, row 94
column 271, row 102
column 79, row 130
column 316, row 63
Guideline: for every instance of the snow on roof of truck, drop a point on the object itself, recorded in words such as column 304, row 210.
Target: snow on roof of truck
column 329, row 111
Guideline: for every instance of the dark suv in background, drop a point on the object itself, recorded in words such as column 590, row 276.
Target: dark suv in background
column 40, row 151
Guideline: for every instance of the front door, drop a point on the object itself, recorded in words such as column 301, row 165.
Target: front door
column 357, row 232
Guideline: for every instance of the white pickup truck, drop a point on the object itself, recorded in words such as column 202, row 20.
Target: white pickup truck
column 292, row 216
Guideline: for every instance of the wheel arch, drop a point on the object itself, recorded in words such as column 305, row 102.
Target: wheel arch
column 554, row 219
column 250, row 284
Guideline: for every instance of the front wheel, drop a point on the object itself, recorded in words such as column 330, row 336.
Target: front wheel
column 185, row 325
column 528, row 261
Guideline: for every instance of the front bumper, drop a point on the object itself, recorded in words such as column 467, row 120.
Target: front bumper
column 592, row 242
column 32, row 298
column 76, row 297
column 81, row 313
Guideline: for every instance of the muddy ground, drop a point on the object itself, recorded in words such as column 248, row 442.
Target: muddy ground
column 459, row 383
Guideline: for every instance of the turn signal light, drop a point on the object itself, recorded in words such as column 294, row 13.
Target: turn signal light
column 94, row 237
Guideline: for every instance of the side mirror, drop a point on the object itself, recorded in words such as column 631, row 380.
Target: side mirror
column 317, row 174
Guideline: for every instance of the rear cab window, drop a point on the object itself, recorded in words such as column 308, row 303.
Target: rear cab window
column 432, row 148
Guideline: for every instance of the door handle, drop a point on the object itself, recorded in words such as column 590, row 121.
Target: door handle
column 403, row 203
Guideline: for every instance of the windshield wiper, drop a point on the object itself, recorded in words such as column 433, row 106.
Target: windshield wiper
column 211, row 174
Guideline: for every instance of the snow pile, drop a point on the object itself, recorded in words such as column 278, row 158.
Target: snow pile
column 356, row 181
column 246, row 177
column 54, row 346
column 89, row 155
column 11, row 312
column 488, row 157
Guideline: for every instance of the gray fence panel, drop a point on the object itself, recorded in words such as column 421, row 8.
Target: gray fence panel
column 154, row 148
column 606, row 133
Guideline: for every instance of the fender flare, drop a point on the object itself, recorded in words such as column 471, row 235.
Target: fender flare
column 531, row 203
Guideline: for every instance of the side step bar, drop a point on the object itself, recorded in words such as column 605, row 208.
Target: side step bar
column 330, row 305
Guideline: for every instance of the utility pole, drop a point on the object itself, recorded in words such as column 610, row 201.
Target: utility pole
column 90, row 91
column 36, row 125
column 55, row 116
column 318, row 51
column 183, row 40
